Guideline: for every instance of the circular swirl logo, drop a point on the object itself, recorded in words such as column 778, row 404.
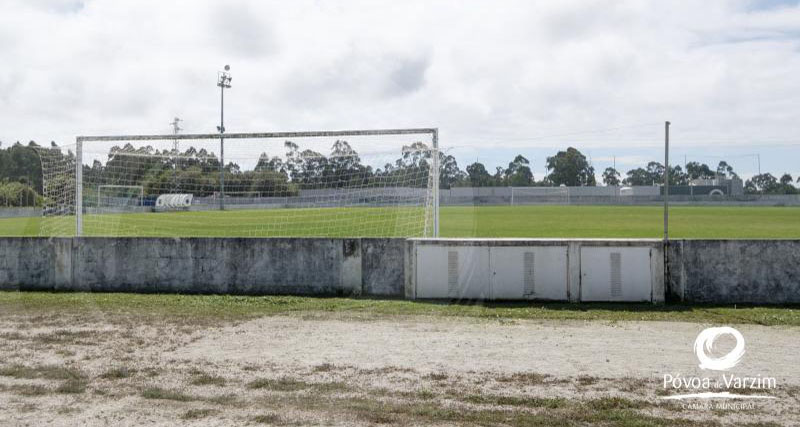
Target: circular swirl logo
column 705, row 343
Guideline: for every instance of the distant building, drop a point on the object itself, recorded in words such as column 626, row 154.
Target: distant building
column 708, row 187
column 730, row 186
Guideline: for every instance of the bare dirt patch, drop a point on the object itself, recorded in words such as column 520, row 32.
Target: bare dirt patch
column 334, row 369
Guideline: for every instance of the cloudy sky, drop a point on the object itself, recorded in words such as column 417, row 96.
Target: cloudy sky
column 497, row 78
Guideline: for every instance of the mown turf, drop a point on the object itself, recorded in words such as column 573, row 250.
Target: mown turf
column 484, row 221
column 213, row 307
column 698, row 222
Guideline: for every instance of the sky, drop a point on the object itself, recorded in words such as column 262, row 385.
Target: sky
column 497, row 78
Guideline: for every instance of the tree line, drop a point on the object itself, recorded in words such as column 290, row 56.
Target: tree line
column 20, row 176
column 197, row 171
column 571, row 168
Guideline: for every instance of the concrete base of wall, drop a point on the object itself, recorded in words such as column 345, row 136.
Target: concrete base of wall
column 702, row 271
column 371, row 267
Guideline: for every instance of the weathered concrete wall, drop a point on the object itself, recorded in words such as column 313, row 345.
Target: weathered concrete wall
column 735, row 271
column 205, row 265
column 706, row 271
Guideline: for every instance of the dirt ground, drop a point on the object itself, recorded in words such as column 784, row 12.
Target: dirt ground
column 336, row 369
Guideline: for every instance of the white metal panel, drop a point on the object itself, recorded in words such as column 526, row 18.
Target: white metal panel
column 520, row 272
column 616, row 274
column 453, row 272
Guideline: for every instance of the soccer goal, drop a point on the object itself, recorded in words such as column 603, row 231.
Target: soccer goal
column 355, row 183
column 540, row 196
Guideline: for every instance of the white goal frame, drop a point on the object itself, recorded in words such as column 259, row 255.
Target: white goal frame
column 434, row 132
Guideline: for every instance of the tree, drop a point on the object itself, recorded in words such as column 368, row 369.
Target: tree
column 611, row 177
column 17, row 194
column 725, row 170
column 677, row 176
column 265, row 163
column 699, row 171
column 450, row 175
column 499, row 178
column 478, row 175
column 270, row 183
column 20, row 163
column 786, row 186
column 762, row 183
column 519, row 172
column 638, row 176
column 570, row 168
column 344, row 166
column 655, row 173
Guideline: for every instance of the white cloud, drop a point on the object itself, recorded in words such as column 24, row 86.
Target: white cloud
column 488, row 74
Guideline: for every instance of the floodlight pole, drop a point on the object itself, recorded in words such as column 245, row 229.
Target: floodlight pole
column 221, row 148
column 666, row 181
column 175, row 129
column 223, row 81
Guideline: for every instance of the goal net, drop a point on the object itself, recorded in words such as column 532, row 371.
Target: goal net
column 377, row 183
column 540, row 195
column 118, row 199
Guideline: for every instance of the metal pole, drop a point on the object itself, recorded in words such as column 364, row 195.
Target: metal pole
column 79, row 187
column 435, row 182
column 175, row 129
column 666, row 181
column 221, row 147
column 759, row 163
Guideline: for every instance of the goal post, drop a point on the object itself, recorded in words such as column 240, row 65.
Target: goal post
column 347, row 183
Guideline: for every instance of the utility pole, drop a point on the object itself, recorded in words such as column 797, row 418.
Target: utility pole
column 224, row 82
column 175, row 129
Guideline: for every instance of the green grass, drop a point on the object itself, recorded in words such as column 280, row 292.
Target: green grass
column 485, row 221
column 697, row 222
column 215, row 307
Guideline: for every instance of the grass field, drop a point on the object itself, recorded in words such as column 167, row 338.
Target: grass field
column 228, row 307
column 484, row 221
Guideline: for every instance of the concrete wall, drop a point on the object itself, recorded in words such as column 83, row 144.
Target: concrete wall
column 703, row 271
column 734, row 271
column 372, row 267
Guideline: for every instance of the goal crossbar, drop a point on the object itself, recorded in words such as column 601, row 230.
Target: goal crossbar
column 255, row 135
